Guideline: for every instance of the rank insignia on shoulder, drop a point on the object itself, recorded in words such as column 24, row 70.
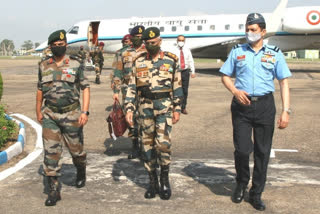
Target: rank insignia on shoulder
column 171, row 55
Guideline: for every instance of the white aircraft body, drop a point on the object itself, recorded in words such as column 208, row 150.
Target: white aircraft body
column 209, row 36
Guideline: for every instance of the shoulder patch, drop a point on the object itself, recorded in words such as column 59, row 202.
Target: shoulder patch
column 171, row 55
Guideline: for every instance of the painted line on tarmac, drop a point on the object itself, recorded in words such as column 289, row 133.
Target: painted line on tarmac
column 273, row 151
column 32, row 156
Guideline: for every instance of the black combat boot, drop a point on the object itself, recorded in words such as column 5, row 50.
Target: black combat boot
column 135, row 151
column 153, row 188
column 165, row 189
column 97, row 80
column 54, row 192
column 81, row 177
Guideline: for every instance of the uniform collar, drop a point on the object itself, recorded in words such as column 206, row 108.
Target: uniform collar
column 248, row 46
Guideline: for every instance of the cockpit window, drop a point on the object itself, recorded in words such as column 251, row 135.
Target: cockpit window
column 74, row 30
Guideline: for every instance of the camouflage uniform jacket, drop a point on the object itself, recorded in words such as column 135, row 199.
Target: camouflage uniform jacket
column 161, row 75
column 122, row 65
column 97, row 57
column 82, row 54
column 61, row 85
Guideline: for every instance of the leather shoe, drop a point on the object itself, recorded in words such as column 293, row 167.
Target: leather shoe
column 184, row 111
column 238, row 193
column 257, row 203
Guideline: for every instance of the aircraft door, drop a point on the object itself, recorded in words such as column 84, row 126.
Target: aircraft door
column 93, row 35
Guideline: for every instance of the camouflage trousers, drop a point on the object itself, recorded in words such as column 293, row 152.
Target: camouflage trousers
column 58, row 129
column 133, row 131
column 155, row 126
column 98, row 69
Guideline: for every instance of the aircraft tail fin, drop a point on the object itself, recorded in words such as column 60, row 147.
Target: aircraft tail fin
column 276, row 18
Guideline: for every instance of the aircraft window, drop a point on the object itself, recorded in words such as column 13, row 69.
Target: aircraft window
column 199, row 27
column 227, row 27
column 74, row 30
column 186, row 28
column 212, row 27
column 161, row 29
column 130, row 30
column 241, row 26
column 174, row 28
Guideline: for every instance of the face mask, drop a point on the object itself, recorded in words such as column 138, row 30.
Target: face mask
column 136, row 41
column 180, row 44
column 153, row 49
column 59, row 50
column 253, row 37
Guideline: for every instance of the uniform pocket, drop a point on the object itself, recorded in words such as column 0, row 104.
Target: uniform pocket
column 47, row 78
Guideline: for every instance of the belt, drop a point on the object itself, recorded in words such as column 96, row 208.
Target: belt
column 257, row 98
column 63, row 109
column 146, row 93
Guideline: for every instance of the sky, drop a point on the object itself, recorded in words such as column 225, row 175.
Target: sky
column 35, row 19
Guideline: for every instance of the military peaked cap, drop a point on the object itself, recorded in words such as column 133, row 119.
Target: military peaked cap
column 57, row 35
column 151, row 33
column 137, row 30
column 255, row 18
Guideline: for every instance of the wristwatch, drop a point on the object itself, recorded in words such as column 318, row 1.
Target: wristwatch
column 288, row 110
column 85, row 112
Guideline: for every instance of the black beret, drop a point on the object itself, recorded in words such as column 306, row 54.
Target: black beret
column 150, row 33
column 57, row 35
column 255, row 18
column 137, row 30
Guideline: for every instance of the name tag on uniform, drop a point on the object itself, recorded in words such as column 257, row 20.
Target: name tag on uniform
column 241, row 58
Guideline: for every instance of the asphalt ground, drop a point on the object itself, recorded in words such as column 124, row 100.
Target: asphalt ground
column 202, row 174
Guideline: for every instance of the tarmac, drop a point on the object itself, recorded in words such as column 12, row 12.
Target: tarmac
column 202, row 173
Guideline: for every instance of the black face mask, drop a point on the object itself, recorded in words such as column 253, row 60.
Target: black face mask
column 136, row 41
column 153, row 49
column 59, row 50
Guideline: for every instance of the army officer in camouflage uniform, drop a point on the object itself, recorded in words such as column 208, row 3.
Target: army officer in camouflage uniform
column 155, row 84
column 121, row 75
column 60, row 81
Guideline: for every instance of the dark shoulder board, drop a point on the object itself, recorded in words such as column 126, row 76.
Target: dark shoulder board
column 236, row 46
column 274, row 48
column 171, row 55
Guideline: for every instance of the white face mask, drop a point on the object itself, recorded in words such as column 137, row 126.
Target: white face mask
column 180, row 44
column 253, row 37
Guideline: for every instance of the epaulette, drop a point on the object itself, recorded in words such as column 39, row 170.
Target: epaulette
column 171, row 55
column 236, row 46
column 140, row 55
column 274, row 48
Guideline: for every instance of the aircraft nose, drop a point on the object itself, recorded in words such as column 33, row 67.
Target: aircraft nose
column 42, row 46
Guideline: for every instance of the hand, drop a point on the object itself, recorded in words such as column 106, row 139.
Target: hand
column 115, row 97
column 193, row 75
column 129, row 117
column 176, row 117
column 242, row 97
column 39, row 117
column 83, row 119
column 283, row 121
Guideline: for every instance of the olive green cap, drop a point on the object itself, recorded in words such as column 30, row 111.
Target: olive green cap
column 150, row 33
column 57, row 35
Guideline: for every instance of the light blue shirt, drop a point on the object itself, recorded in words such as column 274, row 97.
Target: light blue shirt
column 255, row 72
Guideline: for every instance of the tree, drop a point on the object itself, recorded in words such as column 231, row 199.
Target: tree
column 27, row 45
column 6, row 47
column 36, row 44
